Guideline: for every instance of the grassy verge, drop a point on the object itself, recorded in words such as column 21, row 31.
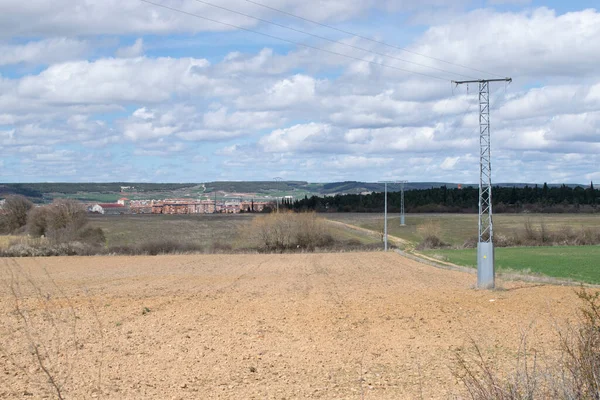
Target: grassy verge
column 566, row 262
column 456, row 228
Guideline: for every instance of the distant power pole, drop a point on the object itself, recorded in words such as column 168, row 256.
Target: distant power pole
column 385, row 246
column 402, row 221
column 277, row 179
column 485, row 245
column 385, row 213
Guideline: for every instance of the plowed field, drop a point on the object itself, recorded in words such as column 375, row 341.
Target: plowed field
column 331, row 326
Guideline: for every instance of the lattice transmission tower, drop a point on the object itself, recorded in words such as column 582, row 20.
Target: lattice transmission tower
column 485, row 244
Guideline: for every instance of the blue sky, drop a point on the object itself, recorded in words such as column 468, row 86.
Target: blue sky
column 130, row 91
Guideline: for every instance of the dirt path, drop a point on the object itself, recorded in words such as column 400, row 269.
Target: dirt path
column 392, row 239
column 330, row 326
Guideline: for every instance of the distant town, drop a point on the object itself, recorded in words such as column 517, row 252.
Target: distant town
column 180, row 206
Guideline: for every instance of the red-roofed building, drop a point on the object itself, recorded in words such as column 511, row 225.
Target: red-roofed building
column 109, row 208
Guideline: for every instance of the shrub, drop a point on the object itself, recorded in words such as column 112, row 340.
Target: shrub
column 14, row 213
column 431, row 242
column 581, row 350
column 50, row 250
column 37, row 221
column 353, row 243
column 221, row 247
column 157, row 247
column 124, row 250
column 540, row 235
column 429, row 228
column 470, row 243
column 92, row 236
column 289, row 231
column 63, row 221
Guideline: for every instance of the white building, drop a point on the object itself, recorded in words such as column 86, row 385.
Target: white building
column 97, row 209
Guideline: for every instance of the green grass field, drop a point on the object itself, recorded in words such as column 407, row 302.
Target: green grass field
column 581, row 263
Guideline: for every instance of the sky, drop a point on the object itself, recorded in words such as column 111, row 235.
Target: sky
column 183, row 91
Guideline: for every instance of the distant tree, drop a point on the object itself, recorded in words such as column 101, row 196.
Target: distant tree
column 37, row 221
column 61, row 221
column 14, row 215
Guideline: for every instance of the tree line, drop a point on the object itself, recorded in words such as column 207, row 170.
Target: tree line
column 443, row 199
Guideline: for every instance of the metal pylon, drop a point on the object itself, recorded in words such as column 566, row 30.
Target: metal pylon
column 485, row 246
column 486, row 231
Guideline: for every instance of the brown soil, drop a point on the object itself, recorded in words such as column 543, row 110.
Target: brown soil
column 331, row 326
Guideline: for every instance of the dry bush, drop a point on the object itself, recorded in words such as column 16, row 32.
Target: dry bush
column 41, row 248
column 41, row 337
column 37, row 221
column 581, row 351
column 432, row 242
column 532, row 235
column 220, row 247
column 157, row 247
column 14, row 213
column 588, row 236
column 574, row 375
column 64, row 222
column 429, row 228
column 482, row 381
column 430, row 232
column 288, row 230
column 470, row 243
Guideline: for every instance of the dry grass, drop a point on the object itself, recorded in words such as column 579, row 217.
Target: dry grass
column 574, row 374
column 7, row 240
column 430, row 232
column 429, row 228
column 12, row 240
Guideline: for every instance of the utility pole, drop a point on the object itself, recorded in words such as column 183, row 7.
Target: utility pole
column 385, row 219
column 402, row 221
column 385, row 241
column 277, row 179
column 485, row 245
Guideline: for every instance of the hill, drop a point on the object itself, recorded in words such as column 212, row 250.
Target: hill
column 111, row 191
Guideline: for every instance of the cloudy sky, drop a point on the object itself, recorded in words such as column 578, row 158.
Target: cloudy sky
column 125, row 90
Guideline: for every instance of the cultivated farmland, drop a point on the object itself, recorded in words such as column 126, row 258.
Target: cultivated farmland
column 344, row 326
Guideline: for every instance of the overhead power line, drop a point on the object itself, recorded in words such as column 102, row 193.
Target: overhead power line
column 368, row 38
column 295, row 43
column 266, row 21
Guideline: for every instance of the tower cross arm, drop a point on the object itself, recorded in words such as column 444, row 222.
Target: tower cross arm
column 483, row 80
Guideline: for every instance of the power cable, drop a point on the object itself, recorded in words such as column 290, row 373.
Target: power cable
column 330, row 40
column 293, row 42
column 453, row 132
column 369, row 39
